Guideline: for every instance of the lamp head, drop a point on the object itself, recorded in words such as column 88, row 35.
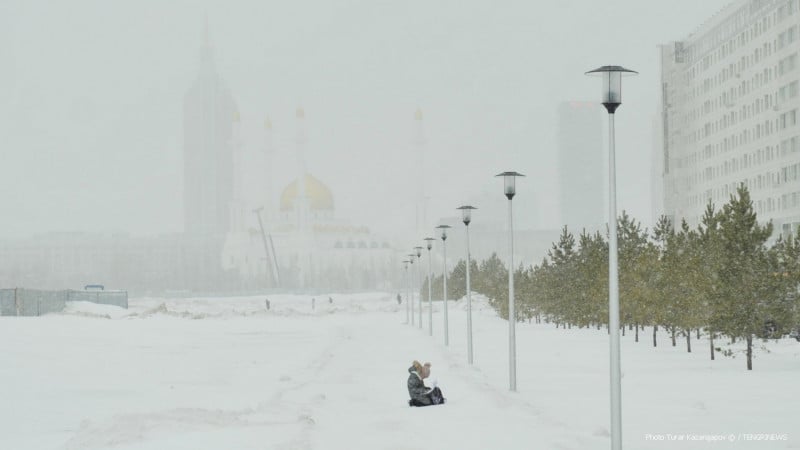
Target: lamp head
column 509, row 183
column 612, row 84
column 443, row 230
column 429, row 241
column 466, row 213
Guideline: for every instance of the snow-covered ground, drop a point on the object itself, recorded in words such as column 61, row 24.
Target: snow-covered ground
column 225, row 373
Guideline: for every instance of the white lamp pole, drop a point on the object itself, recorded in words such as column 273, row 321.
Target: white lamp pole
column 509, row 182
column 429, row 245
column 405, row 265
column 443, row 229
column 418, row 251
column 466, row 217
column 411, row 286
column 612, row 98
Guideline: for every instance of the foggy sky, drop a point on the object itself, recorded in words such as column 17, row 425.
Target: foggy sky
column 92, row 96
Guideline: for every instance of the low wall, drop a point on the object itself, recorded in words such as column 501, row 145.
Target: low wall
column 8, row 302
column 34, row 302
column 116, row 298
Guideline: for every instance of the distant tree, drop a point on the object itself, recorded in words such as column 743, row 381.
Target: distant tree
column 592, row 279
column 524, row 293
column 635, row 270
column 788, row 255
column 562, row 297
column 457, row 281
column 493, row 282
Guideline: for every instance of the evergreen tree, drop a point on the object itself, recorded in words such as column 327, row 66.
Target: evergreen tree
column 747, row 270
column 524, row 293
column 563, row 296
column 591, row 280
column 457, row 281
column 635, row 253
column 494, row 284
column 788, row 253
column 710, row 258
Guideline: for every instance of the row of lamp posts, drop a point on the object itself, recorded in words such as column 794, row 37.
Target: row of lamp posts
column 509, row 179
column 611, row 100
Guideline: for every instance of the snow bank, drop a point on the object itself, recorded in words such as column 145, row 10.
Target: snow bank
column 90, row 309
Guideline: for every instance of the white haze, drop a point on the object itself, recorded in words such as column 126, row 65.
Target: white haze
column 91, row 99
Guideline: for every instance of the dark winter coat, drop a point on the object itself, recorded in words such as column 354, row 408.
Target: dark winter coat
column 416, row 388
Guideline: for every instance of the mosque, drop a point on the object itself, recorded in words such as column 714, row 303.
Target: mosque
column 298, row 241
column 276, row 238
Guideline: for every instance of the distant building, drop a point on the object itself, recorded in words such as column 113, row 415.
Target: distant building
column 730, row 94
column 73, row 260
column 581, row 165
column 222, row 249
column 488, row 232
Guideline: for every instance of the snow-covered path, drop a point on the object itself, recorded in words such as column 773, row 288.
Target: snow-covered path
column 225, row 373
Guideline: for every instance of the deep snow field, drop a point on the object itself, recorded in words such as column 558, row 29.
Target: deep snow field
column 225, row 373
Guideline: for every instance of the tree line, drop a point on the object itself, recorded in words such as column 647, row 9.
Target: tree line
column 721, row 278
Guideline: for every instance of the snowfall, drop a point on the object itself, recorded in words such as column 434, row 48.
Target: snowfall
column 226, row 373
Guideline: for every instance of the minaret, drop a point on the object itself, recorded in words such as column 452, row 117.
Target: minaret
column 421, row 199
column 237, row 203
column 269, row 201
column 301, row 202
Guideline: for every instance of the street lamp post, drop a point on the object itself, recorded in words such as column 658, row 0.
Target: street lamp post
column 405, row 266
column 466, row 217
column 411, row 286
column 612, row 98
column 509, row 188
column 443, row 229
column 429, row 245
column 418, row 251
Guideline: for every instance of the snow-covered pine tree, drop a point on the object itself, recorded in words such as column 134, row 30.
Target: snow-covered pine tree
column 747, row 271
column 710, row 259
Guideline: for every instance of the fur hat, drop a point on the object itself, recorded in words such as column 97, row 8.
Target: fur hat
column 422, row 369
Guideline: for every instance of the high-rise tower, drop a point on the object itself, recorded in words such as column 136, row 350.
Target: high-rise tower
column 730, row 101
column 208, row 176
column 580, row 165
column 268, row 173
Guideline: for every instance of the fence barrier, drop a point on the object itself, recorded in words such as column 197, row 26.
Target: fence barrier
column 35, row 302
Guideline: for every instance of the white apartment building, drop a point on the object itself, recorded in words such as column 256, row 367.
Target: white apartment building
column 730, row 94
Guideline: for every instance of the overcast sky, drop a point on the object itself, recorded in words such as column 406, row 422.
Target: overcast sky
column 91, row 98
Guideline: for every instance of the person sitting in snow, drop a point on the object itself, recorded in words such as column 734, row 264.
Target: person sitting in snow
column 419, row 393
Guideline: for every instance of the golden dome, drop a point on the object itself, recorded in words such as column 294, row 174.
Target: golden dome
column 236, row 116
column 267, row 124
column 319, row 196
column 301, row 113
column 418, row 114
